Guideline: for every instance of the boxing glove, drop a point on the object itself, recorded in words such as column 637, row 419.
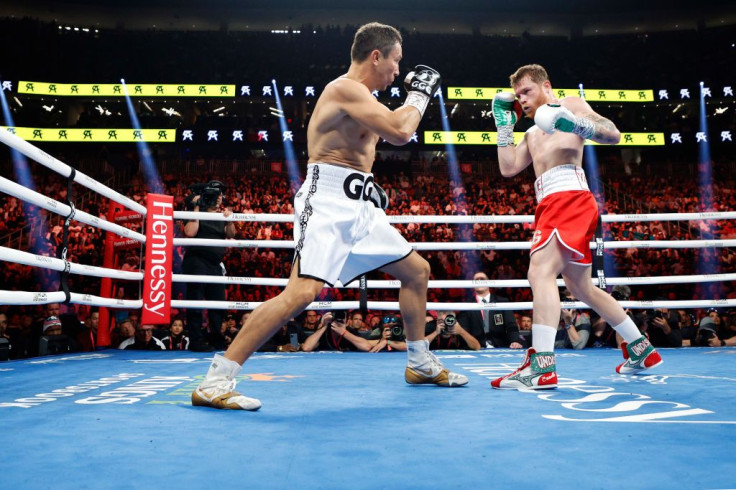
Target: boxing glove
column 506, row 111
column 553, row 117
column 421, row 83
column 378, row 197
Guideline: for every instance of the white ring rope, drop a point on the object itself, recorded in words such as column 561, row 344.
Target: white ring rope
column 25, row 258
column 434, row 246
column 31, row 298
column 27, row 297
column 394, row 306
column 461, row 219
column 37, row 199
column 462, row 284
column 65, row 170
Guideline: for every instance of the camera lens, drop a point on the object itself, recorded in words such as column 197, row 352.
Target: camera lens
column 450, row 320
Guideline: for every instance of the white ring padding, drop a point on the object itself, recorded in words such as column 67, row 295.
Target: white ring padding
column 212, row 242
column 17, row 256
column 31, row 298
column 45, row 202
column 463, row 219
column 238, row 217
column 394, row 306
column 433, row 246
column 461, row 284
column 40, row 156
column 618, row 218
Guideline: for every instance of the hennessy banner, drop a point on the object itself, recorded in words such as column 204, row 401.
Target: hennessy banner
column 591, row 94
column 116, row 90
column 159, row 254
column 490, row 138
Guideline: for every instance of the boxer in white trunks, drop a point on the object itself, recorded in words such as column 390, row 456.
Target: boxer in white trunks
column 340, row 227
column 564, row 222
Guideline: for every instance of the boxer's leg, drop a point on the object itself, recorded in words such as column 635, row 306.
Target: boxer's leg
column 423, row 366
column 218, row 388
column 638, row 352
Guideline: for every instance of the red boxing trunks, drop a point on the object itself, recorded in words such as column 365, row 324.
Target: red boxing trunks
column 566, row 209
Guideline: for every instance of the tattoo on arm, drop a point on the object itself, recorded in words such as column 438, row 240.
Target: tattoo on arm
column 602, row 128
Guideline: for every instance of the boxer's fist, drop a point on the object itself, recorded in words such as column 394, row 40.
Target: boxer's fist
column 378, row 197
column 423, row 79
column 553, row 117
column 421, row 83
column 506, row 109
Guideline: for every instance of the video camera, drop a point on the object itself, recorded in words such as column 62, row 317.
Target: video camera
column 208, row 193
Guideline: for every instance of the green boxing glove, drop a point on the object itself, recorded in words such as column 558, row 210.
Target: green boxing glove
column 506, row 111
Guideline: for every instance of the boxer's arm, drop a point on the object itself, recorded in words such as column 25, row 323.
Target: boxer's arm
column 397, row 127
column 514, row 159
column 583, row 120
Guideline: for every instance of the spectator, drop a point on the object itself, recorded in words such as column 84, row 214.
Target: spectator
column 727, row 332
column 311, row 319
column 448, row 333
column 574, row 328
column 492, row 328
column 143, row 340
column 176, row 340
column 662, row 329
column 199, row 260
column 686, row 322
column 123, row 334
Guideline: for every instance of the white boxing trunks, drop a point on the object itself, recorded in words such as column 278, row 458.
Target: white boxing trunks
column 339, row 233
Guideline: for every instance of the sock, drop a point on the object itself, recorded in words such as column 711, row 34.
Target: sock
column 222, row 367
column 416, row 350
column 543, row 337
column 627, row 329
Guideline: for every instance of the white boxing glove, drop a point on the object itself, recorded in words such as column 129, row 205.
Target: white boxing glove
column 553, row 117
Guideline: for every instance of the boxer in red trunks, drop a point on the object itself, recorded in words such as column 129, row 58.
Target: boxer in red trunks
column 565, row 219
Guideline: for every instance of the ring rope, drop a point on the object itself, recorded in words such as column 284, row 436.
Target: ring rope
column 460, row 219
column 26, row 258
column 65, row 170
column 394, row 305
column 462, row 284
column 32, row 298
column 464, row 246
column 49, row 204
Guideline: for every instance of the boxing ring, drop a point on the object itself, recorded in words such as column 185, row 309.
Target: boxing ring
column 348, row 420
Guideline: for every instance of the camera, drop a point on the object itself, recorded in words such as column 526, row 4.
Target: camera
column 397, row 331
column 618, row 296
column 652, row 314
column 208, row 193
column 703, row 337
column 450, row 321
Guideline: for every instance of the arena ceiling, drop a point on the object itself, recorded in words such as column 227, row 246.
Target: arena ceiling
column 536, row 17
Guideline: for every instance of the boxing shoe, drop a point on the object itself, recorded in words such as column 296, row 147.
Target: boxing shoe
column 218, row 388
column 639, row 355
column 432, row 371
column 538, row 371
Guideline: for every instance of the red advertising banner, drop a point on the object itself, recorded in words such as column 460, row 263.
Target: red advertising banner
column 159, row 254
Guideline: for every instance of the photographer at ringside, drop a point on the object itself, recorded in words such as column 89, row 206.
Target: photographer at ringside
column 206, row 261
column 447, row 333
column 661, row 326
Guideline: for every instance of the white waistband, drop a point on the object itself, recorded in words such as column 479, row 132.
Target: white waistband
column 334, row 175
column 340, row 181
column 558, row 179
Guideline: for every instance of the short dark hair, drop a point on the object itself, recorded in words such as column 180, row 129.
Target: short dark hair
column 374, row 36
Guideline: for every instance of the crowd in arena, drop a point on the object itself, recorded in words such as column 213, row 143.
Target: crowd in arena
column 417, row 184
column 421, row 194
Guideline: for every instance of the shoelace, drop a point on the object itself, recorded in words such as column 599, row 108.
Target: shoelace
column 434, row 361
column 225, row 386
